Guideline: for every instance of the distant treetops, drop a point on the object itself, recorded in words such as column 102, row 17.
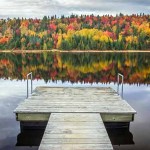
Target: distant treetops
column 84, row 32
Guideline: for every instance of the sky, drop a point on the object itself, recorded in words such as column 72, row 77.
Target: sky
column 40, row 8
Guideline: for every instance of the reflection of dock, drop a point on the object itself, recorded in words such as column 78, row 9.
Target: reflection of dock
column 120, row 136
column 75, row 116
column 29, row 137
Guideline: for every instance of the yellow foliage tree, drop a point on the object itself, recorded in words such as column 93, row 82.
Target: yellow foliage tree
column 59, row 41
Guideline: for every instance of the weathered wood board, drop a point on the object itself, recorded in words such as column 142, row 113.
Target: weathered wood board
column 47, row 100
column 75, row 131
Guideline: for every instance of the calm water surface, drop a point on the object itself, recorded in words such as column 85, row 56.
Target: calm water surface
column 72, row 70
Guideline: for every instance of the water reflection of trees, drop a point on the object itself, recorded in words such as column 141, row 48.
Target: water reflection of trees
column 84, row 68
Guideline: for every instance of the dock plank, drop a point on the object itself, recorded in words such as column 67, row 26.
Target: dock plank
column 52, row 100
column 77, row 147
column 75, row 131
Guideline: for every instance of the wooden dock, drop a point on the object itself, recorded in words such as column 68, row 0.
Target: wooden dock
column 75, row 116
column 75, row 131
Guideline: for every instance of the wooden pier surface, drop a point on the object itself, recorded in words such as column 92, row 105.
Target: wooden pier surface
column 75, row 116
column 75, row 131
column 54, row 100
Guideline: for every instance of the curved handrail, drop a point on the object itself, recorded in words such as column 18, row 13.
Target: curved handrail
column 29, row 74
column 118, row 79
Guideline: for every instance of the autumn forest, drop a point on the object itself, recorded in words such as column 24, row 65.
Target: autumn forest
column 85, row 32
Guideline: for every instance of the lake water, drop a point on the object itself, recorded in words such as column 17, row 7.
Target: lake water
column 75, row 70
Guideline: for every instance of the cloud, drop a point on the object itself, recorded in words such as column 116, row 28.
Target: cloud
column 38, row 8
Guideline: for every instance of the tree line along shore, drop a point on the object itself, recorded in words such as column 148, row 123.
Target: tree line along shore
column 83, row 33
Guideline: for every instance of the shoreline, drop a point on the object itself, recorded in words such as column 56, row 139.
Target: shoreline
column 75, row 51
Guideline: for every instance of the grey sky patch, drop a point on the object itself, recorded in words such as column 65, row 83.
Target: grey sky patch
column 38, row 8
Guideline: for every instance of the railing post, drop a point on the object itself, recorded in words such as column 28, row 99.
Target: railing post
column 27, row 86
column 31, row 82
column 29, row 74
column 118, row 79
column 118, row 83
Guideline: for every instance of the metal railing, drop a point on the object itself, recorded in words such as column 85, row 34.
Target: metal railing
column 29, row 74
column 118, row 82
